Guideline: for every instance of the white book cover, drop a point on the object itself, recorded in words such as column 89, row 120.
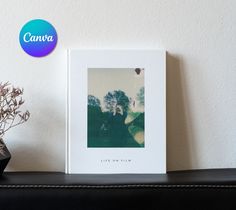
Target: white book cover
column 116, row 112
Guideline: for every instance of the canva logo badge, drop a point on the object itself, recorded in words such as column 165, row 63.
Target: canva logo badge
column 38, row 38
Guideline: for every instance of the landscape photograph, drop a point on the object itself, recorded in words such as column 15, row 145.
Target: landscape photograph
column 115, row 107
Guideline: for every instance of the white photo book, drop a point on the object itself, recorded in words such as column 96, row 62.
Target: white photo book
column 116, row 112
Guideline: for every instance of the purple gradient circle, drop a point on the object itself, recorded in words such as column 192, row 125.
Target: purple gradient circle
column 38, row 38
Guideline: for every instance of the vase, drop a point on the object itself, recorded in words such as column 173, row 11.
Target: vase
column 5, row 156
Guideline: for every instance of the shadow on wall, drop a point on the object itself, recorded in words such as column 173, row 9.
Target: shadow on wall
column 180, row 150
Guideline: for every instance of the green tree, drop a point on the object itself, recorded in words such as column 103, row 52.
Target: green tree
column 140, row 96
column 116, row 98
column 95, row 117
column 93, row 101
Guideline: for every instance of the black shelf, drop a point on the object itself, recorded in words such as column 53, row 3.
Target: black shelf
column 215, row 188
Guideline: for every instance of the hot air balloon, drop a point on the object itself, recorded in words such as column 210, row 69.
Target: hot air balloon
column 137, row 70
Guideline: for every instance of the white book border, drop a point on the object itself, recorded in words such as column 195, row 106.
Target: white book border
column 78, row 165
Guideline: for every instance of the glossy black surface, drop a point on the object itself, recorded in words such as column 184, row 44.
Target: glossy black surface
column 213, row 176
column 200, row 189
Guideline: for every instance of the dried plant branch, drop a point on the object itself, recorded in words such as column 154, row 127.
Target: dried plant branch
column 10, row 114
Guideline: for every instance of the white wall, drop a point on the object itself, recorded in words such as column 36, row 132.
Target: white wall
column 200, row 36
